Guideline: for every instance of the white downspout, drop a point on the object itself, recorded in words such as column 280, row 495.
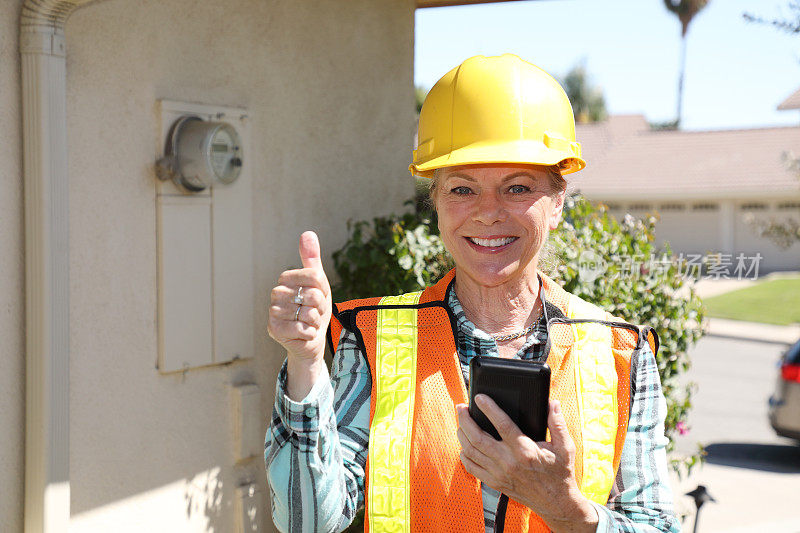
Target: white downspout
column 44, row 134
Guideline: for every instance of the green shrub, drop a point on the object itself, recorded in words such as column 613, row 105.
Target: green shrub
column 639, row 283
column 394, row 254
column 402, row 253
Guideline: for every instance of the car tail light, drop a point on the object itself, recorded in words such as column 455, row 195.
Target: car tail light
column 790, row 373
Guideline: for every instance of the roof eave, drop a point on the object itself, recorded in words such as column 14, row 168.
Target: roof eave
column 791, row 102
column 446, row 3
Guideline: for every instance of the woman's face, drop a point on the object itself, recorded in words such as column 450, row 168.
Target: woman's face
column 494, row 219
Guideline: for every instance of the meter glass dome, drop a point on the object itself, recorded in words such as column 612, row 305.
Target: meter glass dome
column 204, row 153
column 225, row 153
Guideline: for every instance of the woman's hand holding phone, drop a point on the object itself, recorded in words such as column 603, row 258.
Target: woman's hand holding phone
column 539, row 475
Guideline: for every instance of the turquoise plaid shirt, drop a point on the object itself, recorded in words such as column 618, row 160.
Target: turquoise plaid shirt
column 316, row 449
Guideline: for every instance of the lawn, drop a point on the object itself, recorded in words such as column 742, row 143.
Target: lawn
column 774, row 301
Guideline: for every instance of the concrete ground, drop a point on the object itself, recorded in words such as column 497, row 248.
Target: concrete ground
column 712, row 287
column 738, row 329
column 752, row 473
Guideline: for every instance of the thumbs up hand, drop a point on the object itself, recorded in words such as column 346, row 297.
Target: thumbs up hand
column 300, row 312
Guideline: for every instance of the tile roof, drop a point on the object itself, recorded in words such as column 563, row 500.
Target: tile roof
column 793, row 102
column 625, row 159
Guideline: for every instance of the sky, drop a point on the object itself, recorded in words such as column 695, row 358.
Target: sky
column 736, row 72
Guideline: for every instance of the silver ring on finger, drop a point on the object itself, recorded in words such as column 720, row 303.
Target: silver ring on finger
column 298, row 298
column 297, row 313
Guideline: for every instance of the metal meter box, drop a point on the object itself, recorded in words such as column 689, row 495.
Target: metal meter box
column 205, row 236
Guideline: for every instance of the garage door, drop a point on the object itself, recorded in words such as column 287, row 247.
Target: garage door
column 748, row 241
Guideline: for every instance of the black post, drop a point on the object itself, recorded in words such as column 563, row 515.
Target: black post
column 700, row 496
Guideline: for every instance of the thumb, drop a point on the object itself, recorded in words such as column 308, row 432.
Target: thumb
column 559, row 433
column 309, row 250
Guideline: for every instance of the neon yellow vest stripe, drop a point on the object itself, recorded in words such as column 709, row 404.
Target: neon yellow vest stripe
column 390, row 429
column 596, row 385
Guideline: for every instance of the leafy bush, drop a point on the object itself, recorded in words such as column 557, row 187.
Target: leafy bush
column 392, row 255
column 613, row 264
column 638, row 282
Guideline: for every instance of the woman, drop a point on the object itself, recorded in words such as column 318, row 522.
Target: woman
column 389, row 428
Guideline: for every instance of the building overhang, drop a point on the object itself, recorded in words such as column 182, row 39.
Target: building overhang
column 445, row 3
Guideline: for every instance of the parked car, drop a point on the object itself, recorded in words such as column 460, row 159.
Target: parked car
column 784, row 404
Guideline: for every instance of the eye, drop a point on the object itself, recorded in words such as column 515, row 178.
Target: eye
column 519, row 189
column 461, row 190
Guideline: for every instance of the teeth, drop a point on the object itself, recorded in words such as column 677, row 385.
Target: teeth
column 492, row 242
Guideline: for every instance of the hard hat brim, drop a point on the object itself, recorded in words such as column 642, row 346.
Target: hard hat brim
column 520, row 152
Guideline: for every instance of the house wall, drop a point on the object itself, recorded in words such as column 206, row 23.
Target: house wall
column 12, row 267
column 704, row 226
column 329, row 91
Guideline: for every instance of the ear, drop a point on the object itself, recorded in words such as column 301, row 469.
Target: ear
column 557, row 208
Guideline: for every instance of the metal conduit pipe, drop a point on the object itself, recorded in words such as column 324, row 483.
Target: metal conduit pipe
column 44, row 131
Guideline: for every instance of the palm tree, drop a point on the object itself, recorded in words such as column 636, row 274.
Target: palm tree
column 685, row 10
column 588, row 103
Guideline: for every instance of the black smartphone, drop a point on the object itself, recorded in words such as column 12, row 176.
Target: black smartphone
column 520, row 388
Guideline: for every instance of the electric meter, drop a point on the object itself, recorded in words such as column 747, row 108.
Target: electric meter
column 200, row 153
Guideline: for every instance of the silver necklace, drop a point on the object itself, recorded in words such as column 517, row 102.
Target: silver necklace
column 518, row 334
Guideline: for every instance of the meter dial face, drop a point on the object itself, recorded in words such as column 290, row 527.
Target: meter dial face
column 225, row 153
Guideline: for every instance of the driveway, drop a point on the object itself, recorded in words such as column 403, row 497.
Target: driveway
column 753, row 474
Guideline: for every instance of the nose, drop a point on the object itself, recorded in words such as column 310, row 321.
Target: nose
column 489, row 208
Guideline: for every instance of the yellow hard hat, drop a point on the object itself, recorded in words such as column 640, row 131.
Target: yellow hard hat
column 496, row 110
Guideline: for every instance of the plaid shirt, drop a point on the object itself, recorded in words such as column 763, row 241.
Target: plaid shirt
column 316, row 449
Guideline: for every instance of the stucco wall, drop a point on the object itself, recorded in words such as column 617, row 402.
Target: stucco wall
column 328, row 87
column 12, row 275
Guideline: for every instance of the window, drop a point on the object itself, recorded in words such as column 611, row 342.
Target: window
column 789, row 206
column 672, row 207
column 640, row 207
column 705, row 207
column 753, row 207
column 792, row 356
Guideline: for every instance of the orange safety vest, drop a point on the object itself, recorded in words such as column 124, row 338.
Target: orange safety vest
column 415, row 479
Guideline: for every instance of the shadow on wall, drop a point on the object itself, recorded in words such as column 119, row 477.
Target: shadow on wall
column 203, row 493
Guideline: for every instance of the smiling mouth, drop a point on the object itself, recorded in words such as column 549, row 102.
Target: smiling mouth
column 492, row 243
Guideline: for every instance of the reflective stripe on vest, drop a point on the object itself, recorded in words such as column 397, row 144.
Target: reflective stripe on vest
column 596, row 385
column 391, row 427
